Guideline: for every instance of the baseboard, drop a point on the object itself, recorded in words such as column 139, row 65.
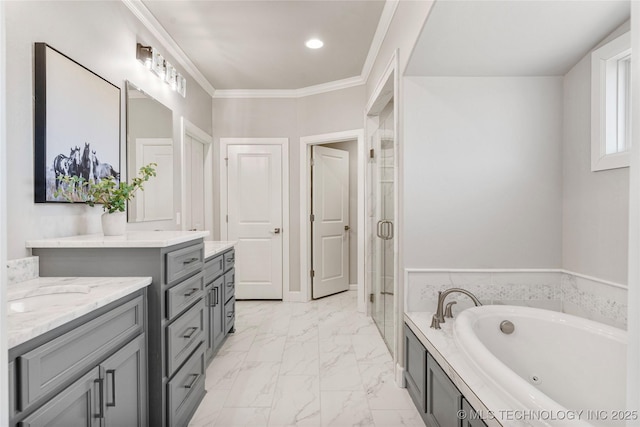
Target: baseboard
column 400, row 376
column 353, row 287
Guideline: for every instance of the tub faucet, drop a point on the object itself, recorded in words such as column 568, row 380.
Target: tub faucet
column 438, row 317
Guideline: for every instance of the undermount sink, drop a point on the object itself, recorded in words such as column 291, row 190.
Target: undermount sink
column 50, row 296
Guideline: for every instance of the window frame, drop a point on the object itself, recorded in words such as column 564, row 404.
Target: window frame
column 605, row 104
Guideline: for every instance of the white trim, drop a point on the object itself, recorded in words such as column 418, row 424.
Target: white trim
column 287, row 294
column 353, row 286
column 601, row 106
column 409, row 271
column 188, row 128
column 4, row 354
column 145, row 16
column 384, row 23
column 305, row 230
column 400, row 382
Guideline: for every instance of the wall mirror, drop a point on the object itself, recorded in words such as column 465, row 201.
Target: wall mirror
column 149, row 139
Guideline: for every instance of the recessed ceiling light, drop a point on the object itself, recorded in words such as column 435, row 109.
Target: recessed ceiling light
column 314, row 44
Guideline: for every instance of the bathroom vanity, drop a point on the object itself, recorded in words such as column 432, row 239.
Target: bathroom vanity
column 77, row 351
column 191, row 304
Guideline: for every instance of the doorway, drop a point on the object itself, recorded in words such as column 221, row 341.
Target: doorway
column 254, row 213
column 352, row 141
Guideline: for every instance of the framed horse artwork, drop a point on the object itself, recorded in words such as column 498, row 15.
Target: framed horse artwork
column 77, row 124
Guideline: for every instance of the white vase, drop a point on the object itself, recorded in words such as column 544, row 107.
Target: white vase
column 114, row 224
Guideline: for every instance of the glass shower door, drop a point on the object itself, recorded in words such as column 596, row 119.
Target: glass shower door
column 382, row 176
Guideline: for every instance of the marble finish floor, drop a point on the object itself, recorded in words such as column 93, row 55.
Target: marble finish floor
column 304, row 364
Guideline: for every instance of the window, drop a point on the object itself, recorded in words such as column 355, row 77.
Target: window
column 611, row 104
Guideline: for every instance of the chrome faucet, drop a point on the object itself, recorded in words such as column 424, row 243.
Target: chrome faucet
column 439, row 316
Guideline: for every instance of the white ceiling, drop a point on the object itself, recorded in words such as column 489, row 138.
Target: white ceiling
column 512, row 38
column 260, row 44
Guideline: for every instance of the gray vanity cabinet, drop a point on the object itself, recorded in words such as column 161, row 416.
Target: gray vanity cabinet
column 220, row 299
column 88, row 372
column 415, row 370
column 176, row 318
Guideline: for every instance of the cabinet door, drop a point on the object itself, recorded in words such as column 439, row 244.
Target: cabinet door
column 415, row 362
column 472, row 418
column 80, row 404
column 443, row 398
column 124, row 376
column 217, row 313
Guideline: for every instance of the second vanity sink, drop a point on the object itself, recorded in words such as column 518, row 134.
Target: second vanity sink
column 47, row 296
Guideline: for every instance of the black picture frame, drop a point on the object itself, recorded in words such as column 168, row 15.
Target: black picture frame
column 74, row 108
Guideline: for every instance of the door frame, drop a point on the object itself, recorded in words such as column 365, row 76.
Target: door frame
column 4, row 353
column 189, row 129
column 305, row 208
column 287, row 295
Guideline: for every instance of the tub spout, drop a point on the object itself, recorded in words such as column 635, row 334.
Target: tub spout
column 438, row 317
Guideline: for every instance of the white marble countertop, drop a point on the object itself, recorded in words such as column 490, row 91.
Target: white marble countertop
column 212, row 248
column 133, row 239
column 480, row 394
column 77, row 296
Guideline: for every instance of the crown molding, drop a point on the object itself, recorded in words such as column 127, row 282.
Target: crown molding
column 291, row 93
column 147, row 19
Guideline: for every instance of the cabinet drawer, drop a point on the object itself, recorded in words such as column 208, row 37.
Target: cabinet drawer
column 229, row 285
column 184, row 335
column 185, row 390
column 229, row 259
column 184, row 294
column 229, row 314
column 48, row 367
column 183, row 262
column 213, row 268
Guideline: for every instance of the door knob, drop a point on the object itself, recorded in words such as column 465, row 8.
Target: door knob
column 347, row 228
column 276, row 231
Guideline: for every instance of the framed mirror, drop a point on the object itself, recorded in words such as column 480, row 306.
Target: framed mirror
column 149, row 140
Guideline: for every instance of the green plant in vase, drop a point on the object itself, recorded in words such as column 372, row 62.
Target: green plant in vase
column 112, row 195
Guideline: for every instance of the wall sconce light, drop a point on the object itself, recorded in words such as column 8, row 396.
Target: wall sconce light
column 144, row 54
column 155, row 62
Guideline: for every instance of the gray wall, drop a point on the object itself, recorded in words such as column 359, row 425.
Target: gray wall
column 483, row 183
column 289, row 118
column 101, row 36
column 595, row 226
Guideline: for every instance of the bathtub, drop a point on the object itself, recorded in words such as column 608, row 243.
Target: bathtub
column 556, row 369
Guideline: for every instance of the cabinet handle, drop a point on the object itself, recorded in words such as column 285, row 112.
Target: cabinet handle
column 189, row 332
column 100, row 382
column 191, row 292
column 195, row 378
column 190, row 261
column 231, row 259
column 230, row 314
column 112, row 372
column 215, row 294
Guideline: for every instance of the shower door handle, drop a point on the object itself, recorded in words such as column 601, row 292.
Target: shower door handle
column 379, row 229
column 386, row 227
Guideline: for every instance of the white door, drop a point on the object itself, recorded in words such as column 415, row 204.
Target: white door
column 254, row 205
column 329, row 231
column 154, row 203
column 194, row 163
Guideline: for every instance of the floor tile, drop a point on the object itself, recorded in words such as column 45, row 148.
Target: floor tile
column 397, row 418
column 345, row 408
column 266, row 348
column 254, row 386
column 209, row 409
column 243, row 417
column 222, row 373
column 379, row 385
column 296, row 402
column 300, row 358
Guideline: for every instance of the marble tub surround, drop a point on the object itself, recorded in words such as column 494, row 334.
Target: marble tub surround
column 557, row 290
column 21, row 269
column 132, row 239
column 212, row 248
column 81, row 296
